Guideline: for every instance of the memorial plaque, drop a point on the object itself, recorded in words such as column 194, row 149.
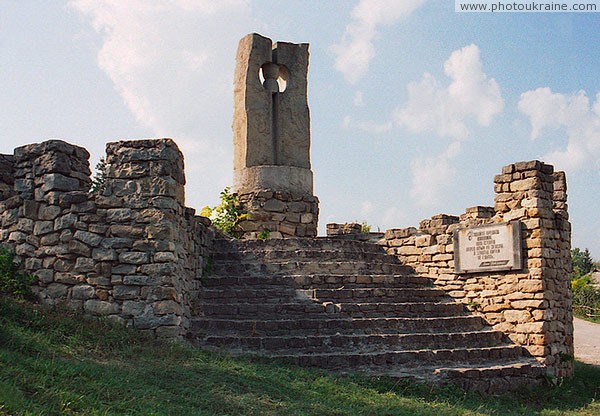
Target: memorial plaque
column 493, row 247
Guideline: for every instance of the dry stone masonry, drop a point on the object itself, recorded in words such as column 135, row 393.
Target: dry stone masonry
column 406, row 303
column 130, row 252
column 531, row 305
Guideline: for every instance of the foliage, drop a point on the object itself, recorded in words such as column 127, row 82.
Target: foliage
column 228, row 214
column 582, row 262
column 365, row 228
column 586, row 296
column 53, row 362
column 586, row 302
column 99, row 179
column 263, row 235
column 13, row 281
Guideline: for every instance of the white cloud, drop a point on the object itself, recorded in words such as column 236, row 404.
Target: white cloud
column 430, row 175
column 172, row 63
column 358, row 99
column 346, row 122
column 581, row 121
column 355, row 50
column 367, row 208
column 375, row 128
column 471, row 95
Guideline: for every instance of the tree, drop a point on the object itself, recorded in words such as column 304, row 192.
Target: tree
column 582, row 262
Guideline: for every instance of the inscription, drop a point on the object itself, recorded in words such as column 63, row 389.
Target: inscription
column 488, row 248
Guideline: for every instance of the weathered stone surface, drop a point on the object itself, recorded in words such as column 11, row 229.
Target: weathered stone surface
column 141, row 280
column 91, row 239
column 126, row 292
column 66, row 221
column 83, row 292
column 514, row 302
column 99, row 307
column 84, row 264
column 134, row 257
column 43, row 227
column 58, row 182
column 101, row 254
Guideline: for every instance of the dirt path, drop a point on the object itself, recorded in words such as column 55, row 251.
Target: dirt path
column 587, row 341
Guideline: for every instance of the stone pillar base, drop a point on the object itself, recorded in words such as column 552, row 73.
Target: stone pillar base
column 291, row 179
column 275, row 214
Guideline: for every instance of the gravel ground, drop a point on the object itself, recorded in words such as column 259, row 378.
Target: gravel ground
column 587, row 341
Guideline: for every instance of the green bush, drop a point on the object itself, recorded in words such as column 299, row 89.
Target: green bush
column 227, row 215
column 586, row 301
column 14, row 282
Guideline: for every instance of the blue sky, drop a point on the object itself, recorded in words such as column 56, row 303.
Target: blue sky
column 414, row 107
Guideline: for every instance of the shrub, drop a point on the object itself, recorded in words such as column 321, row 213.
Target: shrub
column 586, row 301
column 14, row 282
column 227, row 215
column 365, row 228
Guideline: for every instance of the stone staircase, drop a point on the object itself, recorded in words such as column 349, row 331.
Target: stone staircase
column 347, row 306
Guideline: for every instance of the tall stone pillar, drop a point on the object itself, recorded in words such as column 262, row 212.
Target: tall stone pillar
column 271, row 130
column 540, row 316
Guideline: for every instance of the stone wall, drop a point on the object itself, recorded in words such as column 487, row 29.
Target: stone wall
column 533, row 306
column 279, row 214
column 130, row 252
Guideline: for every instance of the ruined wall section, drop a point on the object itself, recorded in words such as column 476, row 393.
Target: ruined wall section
column 130, row 252
column 533, row 306
column 274, row 214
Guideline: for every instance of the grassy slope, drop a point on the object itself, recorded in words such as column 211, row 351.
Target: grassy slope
column 55, row 363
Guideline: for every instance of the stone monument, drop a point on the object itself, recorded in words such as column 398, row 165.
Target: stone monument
column 271, row 130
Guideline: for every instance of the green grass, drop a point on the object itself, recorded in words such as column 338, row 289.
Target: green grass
column 56, row 363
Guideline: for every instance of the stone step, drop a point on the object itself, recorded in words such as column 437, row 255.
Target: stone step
column 302, row 255
column 354, row 310
column 495, row 377
column 294, row 244
column 318, row 280
column 325, row 325
column 363, row 343
column 408, row 359
column 252, row 294
column 283, row 294
column 372, row 295
column 352, row 267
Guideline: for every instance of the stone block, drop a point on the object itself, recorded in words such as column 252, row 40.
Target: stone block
column 517, row 316
column 84, row 264
column 133, row 308
column 120, row 215
column 166, row 307
column 99, row 307
column 141, row 280
column 64, row 222
column 83, row 292
column 134, row 257
column 43, row 227
column 57, row 291
column 164, row 256
column 126, row 292
column 59, row 182
column 91, row 239
column 151, row 321
column 101, row 254
column 79, row 249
